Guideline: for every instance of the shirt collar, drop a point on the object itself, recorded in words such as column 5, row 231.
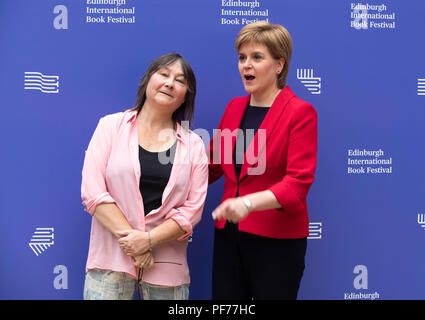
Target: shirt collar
column 130, row 117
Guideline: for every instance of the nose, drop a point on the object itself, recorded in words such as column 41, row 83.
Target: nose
column 247, row 64
column 168, row 82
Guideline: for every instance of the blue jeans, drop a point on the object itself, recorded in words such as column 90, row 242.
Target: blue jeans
column 111, row 285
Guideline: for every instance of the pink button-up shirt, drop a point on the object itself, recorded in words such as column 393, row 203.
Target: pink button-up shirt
column 111, row 174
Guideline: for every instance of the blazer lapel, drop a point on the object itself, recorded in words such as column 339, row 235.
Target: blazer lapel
column 258, row 145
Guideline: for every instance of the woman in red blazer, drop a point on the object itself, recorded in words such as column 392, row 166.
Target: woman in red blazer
column 266, row 148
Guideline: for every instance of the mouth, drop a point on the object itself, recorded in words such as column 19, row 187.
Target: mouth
column 167, row 94
column 249, row 77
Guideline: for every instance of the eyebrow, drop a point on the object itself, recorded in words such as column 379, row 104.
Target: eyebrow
column 255, row 52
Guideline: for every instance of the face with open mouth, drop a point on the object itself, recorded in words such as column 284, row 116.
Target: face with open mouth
column 258, row 68
column 167, row 87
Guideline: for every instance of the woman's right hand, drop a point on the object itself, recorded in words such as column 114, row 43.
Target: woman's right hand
column 145, row 260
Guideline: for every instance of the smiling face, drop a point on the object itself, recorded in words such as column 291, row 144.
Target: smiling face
column 167, row 87
column 259, row 69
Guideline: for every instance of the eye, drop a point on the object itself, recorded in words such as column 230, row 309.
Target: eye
column 242, row 57
column 180, row 80
column 257, row 57
column 162, row 72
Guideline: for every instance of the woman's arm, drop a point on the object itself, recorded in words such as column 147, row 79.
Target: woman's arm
column 135, row 242
column 111, row 217
column 96, row 199
column 235, row 209
column 301, row 165
column 167, row 231
column 179, row 221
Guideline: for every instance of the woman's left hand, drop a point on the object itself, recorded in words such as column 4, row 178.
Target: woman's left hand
column 233, row 210
column 133, row 242
column 145, row 260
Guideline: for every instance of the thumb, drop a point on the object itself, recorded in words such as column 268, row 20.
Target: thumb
column 123, row 233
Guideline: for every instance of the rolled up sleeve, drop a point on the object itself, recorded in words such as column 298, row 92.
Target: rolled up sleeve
column 189, row 213
column 292, row 190
column 93, row 185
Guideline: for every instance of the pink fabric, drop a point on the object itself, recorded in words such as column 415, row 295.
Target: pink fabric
column 111, row 174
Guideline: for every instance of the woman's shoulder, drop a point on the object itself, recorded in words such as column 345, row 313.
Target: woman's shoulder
column 235, row 104
column 192, row 136
column 239, row 100
column 298, row 105
column 193, row 142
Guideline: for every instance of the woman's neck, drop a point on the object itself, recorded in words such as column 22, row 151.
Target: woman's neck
column 153, row 118
column 264, row 99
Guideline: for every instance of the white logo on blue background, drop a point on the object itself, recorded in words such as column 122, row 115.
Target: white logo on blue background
column 307, row 78
column 421, row 87
column 421, row 220
column 315, row 230
column 39, row 81
column 42, row 239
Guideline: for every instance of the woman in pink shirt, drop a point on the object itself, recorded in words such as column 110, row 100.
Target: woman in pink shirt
column 144, row 181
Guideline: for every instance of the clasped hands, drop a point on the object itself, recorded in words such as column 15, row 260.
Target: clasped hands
column 233, row 210
column 135, row 243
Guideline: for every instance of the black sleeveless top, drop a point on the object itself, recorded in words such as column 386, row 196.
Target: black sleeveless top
column 154, row 175
column 252, row 120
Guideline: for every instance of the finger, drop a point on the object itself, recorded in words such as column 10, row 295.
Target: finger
column 124, row 247
column 234, row 216
column 123, row 240
column 143, row 257
column 220, row 212
column 217, row 215
column 139, row 259
column 216, row 212
column 145, row 264
column 150, row 262
column 140, row 263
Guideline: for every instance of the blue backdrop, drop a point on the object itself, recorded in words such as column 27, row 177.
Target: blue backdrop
column 64, row 64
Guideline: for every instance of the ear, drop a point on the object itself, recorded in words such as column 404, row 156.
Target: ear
column 280, row 64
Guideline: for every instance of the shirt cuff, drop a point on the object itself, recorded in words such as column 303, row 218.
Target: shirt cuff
column 90, row 205
column 182, row 221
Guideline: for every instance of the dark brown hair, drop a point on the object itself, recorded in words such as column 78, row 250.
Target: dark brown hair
column 187, row 108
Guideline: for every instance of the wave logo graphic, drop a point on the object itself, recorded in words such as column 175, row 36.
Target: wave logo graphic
column 315, row 230
column 42, row 239
column 312, row 83
column 421, row 220
column 39, row 81
column 421, row 87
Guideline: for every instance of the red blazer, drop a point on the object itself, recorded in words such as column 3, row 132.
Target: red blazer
column 284, row 163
